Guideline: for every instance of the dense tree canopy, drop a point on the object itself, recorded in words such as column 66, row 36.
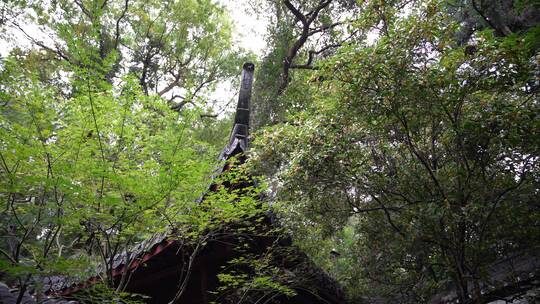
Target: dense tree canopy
column 414, row 156
column 175, row 49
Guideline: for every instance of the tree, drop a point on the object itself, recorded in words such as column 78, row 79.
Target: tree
column 93, row 160
column 72, row 172
column 300, row 32
column 177, row 49
column 503, row 16
column 427, row 149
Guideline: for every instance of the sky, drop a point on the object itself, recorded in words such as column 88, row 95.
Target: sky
column 249, row 31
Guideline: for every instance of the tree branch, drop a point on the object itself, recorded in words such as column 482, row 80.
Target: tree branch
column 84, row 9
column 317, row 10
column 117, row 33
column 299, row 16
column 58, row 52
column 324, row 28
column 299, row 43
